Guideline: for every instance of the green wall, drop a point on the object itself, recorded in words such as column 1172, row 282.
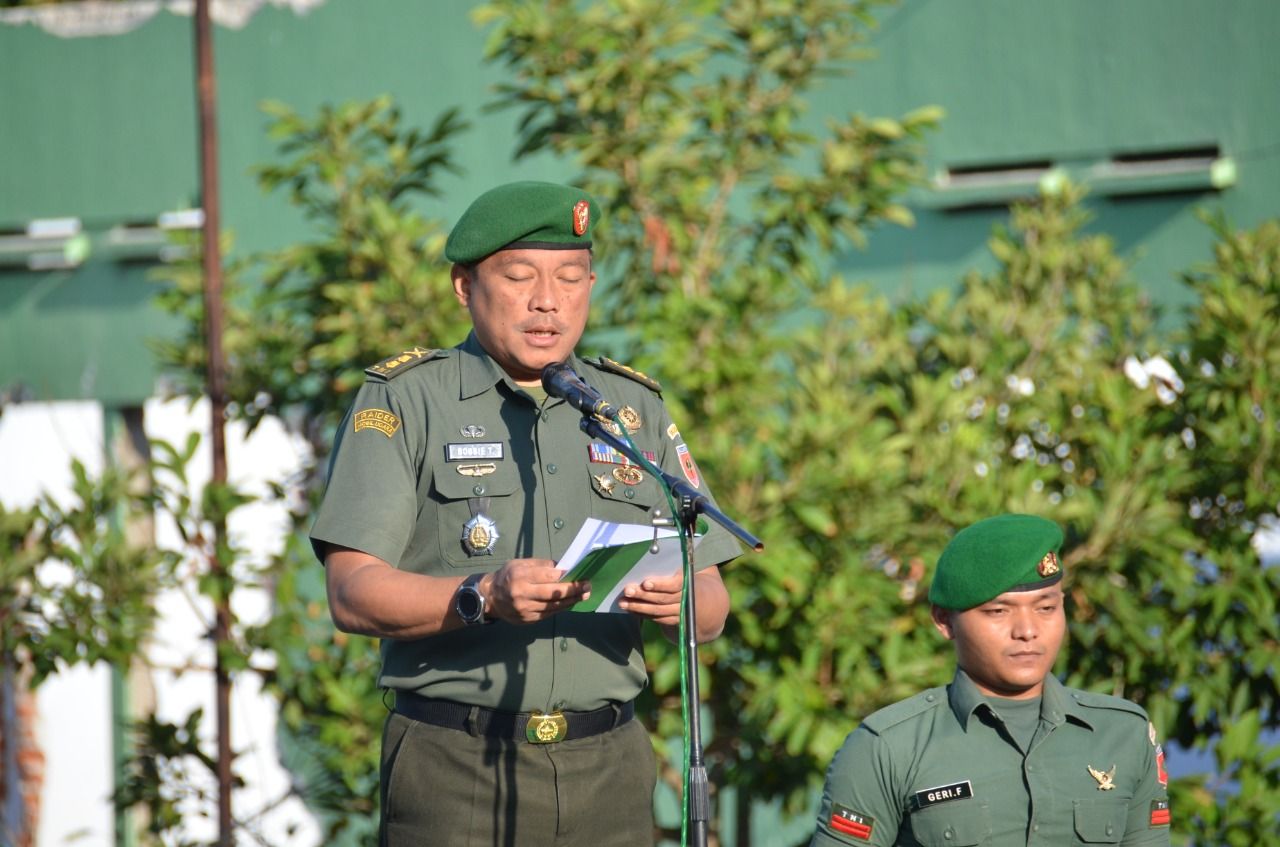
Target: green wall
column 103, row 128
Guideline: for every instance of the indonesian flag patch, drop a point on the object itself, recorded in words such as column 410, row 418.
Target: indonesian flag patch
column 1159, row 812
column 849, row 822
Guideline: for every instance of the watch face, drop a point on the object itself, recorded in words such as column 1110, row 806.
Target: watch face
column 469, row 602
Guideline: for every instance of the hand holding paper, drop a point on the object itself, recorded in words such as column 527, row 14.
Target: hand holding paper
column 613, row 556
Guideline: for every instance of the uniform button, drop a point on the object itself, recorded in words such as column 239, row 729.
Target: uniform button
column 479, row 489
column 929, row 697
column 558, row 523
column 630, row 494
column 551, row 468
column 564, row 645
column 948, row 834
column 546, row 416
column 1030, row 768
column 1035, row 827
column 1110, row 829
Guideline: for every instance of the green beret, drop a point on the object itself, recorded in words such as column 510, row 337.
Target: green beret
column 538, row 215
column 992, row 556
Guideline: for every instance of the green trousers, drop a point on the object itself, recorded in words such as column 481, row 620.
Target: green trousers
column 447, row 788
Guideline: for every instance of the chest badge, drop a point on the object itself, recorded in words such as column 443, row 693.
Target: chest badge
column 472, row 431
column 630, row 419
column 605, row 483
column 1106, row 780
column 628, row 475
column 479, row 535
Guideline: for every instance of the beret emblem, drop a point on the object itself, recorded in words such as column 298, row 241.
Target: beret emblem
column 1048, row 565
column 581, row 217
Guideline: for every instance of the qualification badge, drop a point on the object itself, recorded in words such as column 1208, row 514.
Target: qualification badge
column 630, row 418
column 478, row 535
column 628, row 475
column 1105, row 779
column 604, row 483
column 612, row 428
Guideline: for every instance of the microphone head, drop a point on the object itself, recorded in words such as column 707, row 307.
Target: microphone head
column 554, row 373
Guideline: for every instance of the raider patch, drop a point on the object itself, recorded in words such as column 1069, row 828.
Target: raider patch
column 849, row 822
column 942, row 794
column 379, row 419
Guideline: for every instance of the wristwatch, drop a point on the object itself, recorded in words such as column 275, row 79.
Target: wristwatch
column 469, row 602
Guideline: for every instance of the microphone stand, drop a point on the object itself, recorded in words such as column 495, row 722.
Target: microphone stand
column 689, row 504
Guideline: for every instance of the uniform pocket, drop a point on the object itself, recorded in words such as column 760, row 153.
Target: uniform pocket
column 962, row 823
column 1100, row 821
column 623, row 493
column 478, row 513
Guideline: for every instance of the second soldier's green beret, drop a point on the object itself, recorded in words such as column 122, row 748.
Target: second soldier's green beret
column 1005, row 553
column 539, row 215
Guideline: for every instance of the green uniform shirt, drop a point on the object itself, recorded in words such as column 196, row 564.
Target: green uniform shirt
column 442, row 436
column 939, row 769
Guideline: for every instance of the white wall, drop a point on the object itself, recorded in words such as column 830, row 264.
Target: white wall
column 37, row 444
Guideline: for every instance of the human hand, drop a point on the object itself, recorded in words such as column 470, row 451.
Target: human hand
column 529, row 590
column 656, row 598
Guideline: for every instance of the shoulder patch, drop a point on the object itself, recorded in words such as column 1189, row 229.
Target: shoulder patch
column 1091, row 700
column 904, row 710
column 606, row 364
column 399, row 363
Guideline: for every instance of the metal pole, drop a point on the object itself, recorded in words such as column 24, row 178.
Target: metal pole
column 698, row 796
column 217, row 392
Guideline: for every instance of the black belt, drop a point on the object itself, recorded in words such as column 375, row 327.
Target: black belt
column 534, row 727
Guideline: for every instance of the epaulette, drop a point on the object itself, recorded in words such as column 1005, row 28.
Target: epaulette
column 393, row 366
column 1091, row 700
column 904, row 710
column 606, row 364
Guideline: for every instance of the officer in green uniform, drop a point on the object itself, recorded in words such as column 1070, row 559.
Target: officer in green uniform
column 1004, row 755
column 455, row 485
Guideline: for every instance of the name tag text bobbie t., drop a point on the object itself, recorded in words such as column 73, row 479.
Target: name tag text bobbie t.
column 470, row 452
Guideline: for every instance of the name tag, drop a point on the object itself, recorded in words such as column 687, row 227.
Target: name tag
column 472, row 451
column 942, row 794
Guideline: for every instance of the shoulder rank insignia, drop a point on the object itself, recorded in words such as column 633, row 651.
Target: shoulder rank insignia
column 401, row 362
column 605, row 363
column 1106, row 780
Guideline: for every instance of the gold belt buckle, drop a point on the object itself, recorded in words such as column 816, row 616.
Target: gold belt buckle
column 546, row 728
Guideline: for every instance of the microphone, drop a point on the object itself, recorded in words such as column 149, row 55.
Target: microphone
column 559, row 380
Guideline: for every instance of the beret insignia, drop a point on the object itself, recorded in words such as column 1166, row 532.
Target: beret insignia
column 1048, row 565
column 581, row 217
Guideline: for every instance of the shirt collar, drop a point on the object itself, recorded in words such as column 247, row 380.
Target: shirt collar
column 1056, row 704
column 478, row 372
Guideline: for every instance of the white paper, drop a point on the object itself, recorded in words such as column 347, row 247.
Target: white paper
column 596, row 533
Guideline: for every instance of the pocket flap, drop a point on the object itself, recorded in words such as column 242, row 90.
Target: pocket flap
column 1100, row 821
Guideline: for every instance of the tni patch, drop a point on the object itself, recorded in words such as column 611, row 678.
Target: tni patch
column 942, row 794
column 1159, row 812
column 849, row 822
column 379, row 419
